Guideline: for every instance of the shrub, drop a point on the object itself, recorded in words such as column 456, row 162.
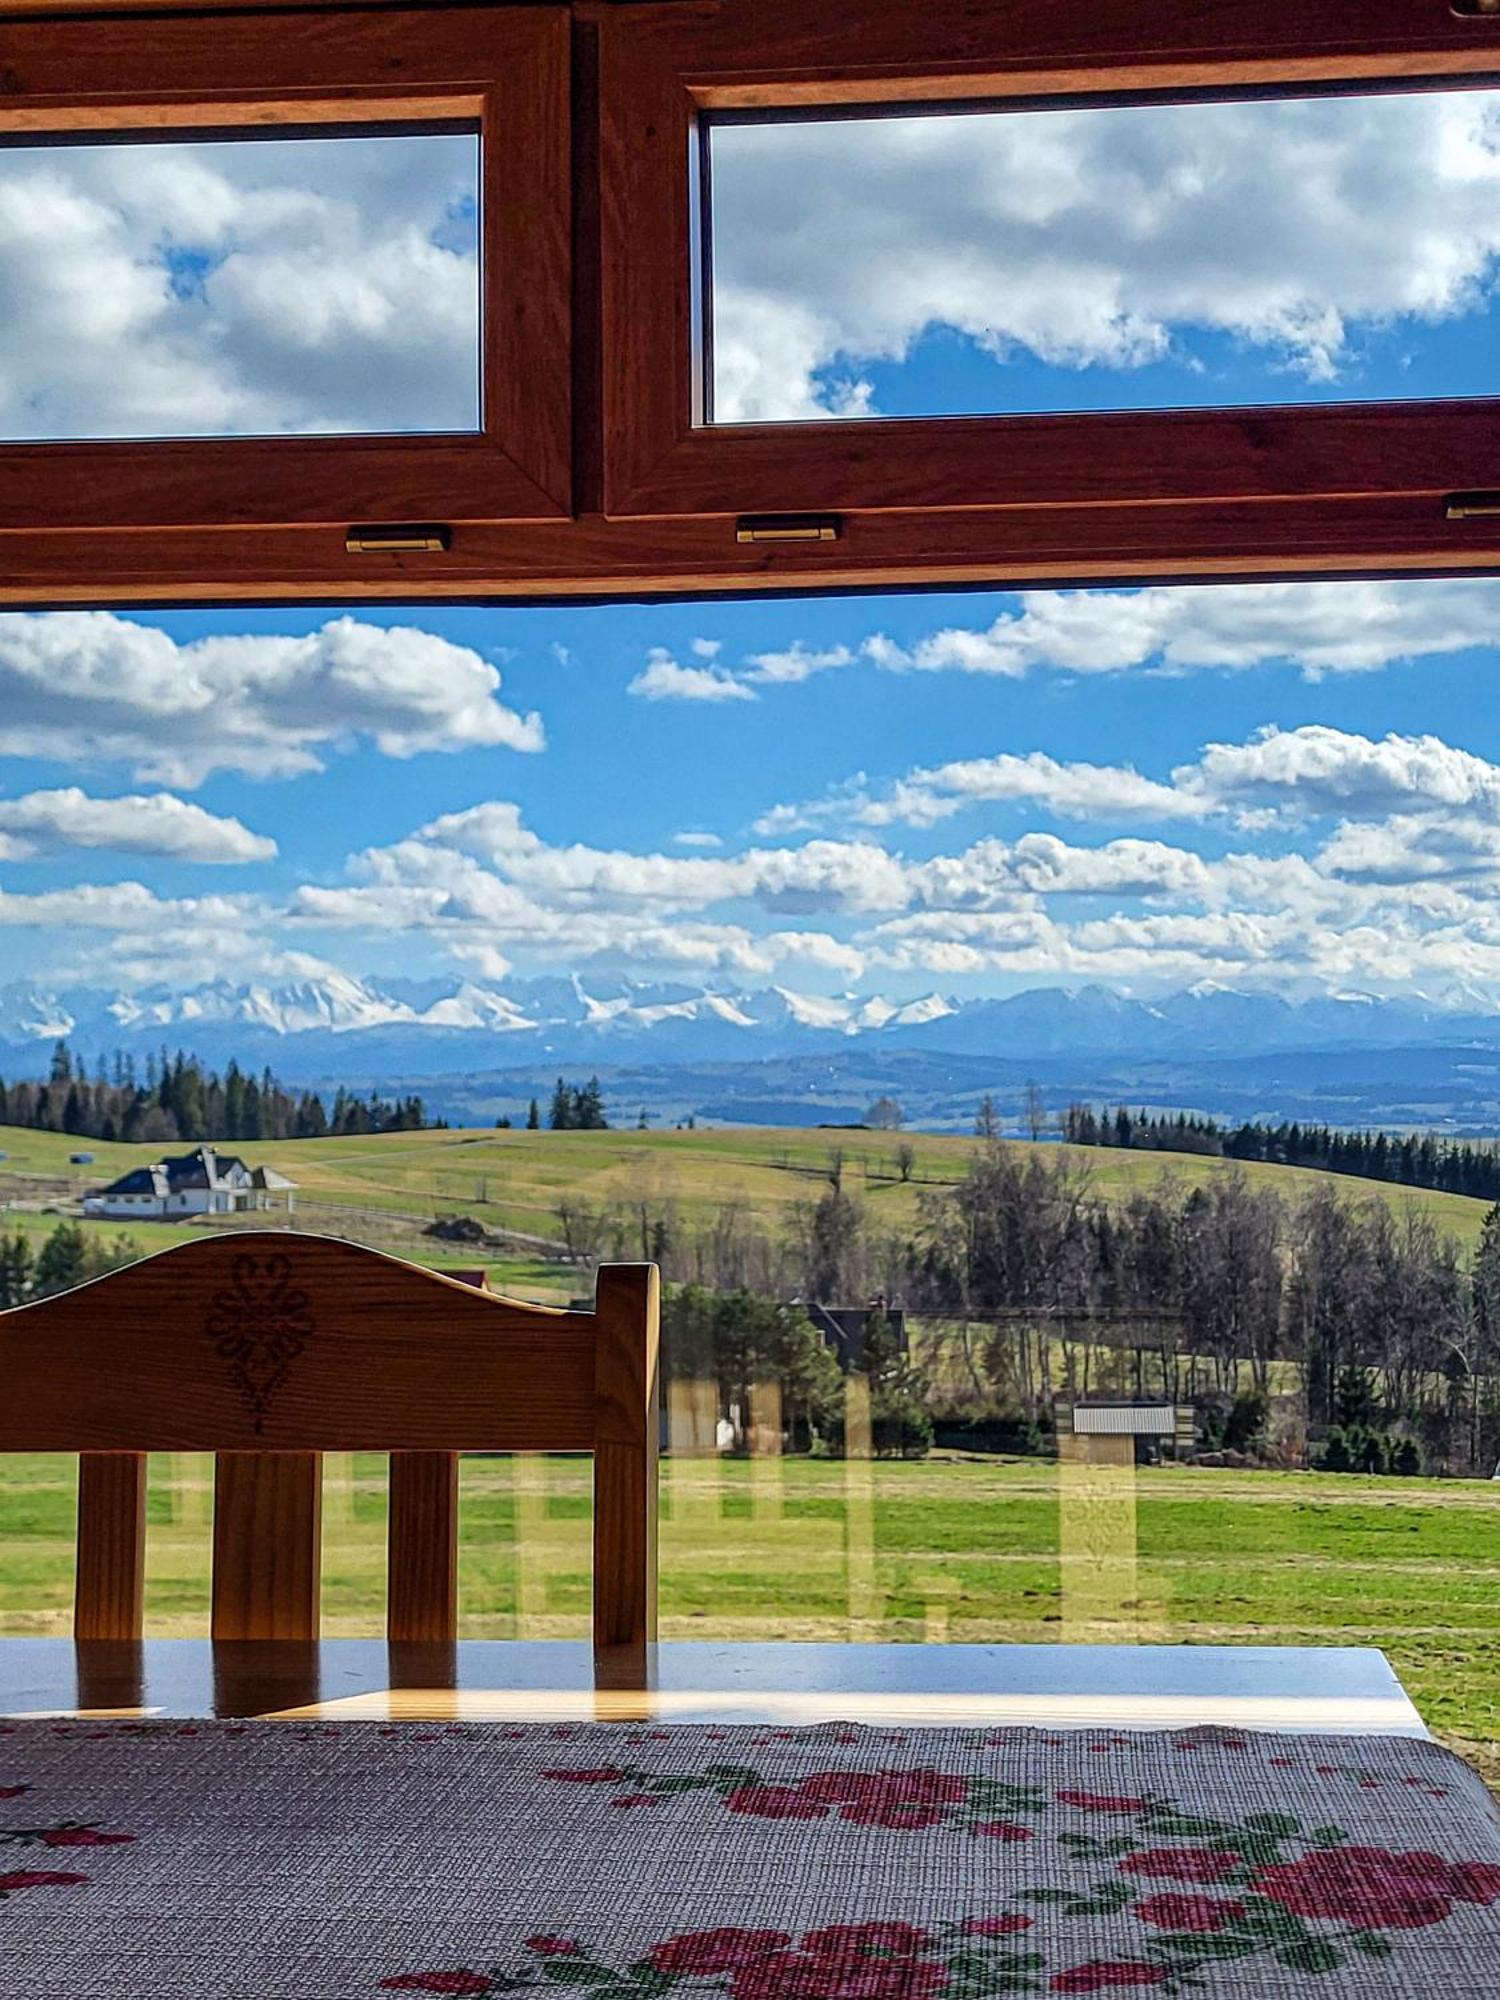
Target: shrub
column 1336, row 1456
column 1407, row 1459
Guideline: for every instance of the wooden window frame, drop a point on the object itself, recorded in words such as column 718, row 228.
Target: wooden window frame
column 501, row 71
column 1260, row 490
column 595, row 480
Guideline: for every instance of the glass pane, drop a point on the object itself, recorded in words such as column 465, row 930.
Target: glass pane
column 242, row 287
column 1049, row 1044
column 1097, row 259
column 39, row 1501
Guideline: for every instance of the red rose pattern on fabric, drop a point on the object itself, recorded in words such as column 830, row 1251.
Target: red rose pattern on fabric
column 440, row 1982
column 1201, row 1893
column 68, row 1834
column 900, row 1801
column 37, row 1878
column 1368, row 1885
column 1185, row 1864
column 1100, row 1974
column 868, row 1961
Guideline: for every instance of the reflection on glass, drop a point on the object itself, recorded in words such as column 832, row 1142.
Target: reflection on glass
column 1118, row 258
column 1133, row 1384
column 239, row 287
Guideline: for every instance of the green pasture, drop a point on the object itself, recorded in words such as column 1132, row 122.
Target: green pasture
column 946, row 1550
column 513, row 1180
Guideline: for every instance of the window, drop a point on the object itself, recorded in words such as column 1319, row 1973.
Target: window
column 1152, row 256
column 668, row 264
column 272, row 280
column 246, row 287
column 1064, row 485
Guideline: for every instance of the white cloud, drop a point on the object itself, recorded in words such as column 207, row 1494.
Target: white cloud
column 696, row 839
column 246, row 286
column 1317, row 770
column 1322, row 628
column 47, row 823
column 927, row 796
column 1408, row 849
column 1095, row 240
column 89, row 687
column 666, row 679
column 796, row 663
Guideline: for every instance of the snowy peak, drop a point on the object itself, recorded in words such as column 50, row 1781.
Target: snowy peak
column 405, row 1026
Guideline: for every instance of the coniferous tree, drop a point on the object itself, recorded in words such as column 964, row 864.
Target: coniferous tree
column 62, row 1261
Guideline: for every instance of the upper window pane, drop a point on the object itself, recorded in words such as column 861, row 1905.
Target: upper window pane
column 1313, row 251
column 247, row 287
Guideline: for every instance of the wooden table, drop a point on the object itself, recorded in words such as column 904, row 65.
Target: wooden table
column 1324, row 1689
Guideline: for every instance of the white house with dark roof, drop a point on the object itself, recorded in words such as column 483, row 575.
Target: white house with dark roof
column 203, row 1182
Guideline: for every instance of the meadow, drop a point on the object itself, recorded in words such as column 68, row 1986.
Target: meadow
column 952, row 1548
column 949, row 1549
column 511, row 1181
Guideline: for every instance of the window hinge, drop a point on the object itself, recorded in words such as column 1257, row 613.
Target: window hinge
column 388, row 538
column 788, row 528
column 1472, row 506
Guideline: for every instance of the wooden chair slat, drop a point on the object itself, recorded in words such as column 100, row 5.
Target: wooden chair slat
column 109, row 1591
column 627, row 1310
column 422, row 1599
column 268, row 1509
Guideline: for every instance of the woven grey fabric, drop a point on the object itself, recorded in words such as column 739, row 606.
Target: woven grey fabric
column 275, row 1861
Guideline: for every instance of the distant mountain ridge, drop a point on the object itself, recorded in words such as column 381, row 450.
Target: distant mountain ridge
column 437, row 1027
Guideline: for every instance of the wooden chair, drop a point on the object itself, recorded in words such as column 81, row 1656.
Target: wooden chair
column 270, row 1348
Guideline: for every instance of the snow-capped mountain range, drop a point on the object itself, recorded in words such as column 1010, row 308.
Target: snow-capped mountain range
column 437, row 1027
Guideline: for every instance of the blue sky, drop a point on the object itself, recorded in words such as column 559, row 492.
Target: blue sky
column 1294, row 788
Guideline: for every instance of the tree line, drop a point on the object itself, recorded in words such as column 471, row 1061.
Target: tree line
column 67, row 1257
column 1455, row 1166
column 1283, row 1317
column 178, row 1099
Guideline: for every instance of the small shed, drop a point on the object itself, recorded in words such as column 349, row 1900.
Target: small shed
column 1156, row 1424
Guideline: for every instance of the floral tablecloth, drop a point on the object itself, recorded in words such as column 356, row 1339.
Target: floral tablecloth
column 274, row 1861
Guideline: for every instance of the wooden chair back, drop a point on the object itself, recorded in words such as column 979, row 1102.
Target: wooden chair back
column 269, row 1348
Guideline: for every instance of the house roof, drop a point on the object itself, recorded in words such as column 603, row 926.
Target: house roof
column 204, row 1167
column 140, row 1180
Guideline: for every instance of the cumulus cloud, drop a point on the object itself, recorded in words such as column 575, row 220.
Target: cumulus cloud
column 927, row 796
column 239, row 287
column 1317, row 628
column 46, row 823
column 89, row 687
column 1277, row 777
column 1392, row 888
column 1322, row 628
column 1097, row 241
column 1317, row 770
column 665, row 679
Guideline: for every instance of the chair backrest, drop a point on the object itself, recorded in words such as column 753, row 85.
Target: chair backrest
column 269, row 1348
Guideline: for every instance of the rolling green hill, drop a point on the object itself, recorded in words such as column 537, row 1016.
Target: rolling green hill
column 512, row 1180
column 385, row 1189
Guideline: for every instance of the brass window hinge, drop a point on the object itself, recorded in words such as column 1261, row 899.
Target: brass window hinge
column 788, row 528
column 1472, row 506
column 387, row 538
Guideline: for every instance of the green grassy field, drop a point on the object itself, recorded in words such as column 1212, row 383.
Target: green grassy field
column 936, row 1551
column 513, row 1180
